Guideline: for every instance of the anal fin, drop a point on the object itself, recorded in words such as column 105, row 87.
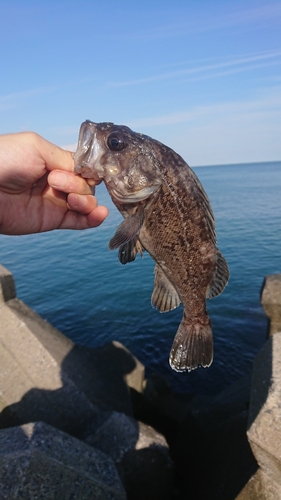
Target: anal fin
column 220, row 277
column 164, row 296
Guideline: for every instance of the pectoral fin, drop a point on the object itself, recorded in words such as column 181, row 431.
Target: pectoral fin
column 164, row 296
column 220, row 277
column 127, row 230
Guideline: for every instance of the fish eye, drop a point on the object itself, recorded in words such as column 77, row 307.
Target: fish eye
column 115, row 142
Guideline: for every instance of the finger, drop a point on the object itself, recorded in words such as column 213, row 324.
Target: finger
column 54, row 156
column 74, row 220
column 68, row 182
column 55, row 196
column 81, row 203
column 97, row 216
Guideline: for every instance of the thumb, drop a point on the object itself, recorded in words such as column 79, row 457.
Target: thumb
column 54, row 156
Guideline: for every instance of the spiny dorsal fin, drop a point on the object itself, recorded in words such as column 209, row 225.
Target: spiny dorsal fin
column 127, row 229
column 220, row 277
column 164, row 295
column 128, row 252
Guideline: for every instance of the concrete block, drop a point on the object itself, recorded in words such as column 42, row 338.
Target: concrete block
column 260, row 487
column 113, row 433
column 271, row 301
column 7, row 285
column 140, row 453
column 135, row 378
column 38, row 461
column 45, row 376
column 101, row 374
column 32, row 386
column 264, row 425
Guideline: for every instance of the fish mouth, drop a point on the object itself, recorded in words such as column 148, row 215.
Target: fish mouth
column 87, row 172
column 140, row 195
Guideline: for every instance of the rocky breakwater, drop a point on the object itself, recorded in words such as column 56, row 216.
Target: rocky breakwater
column 79, row 423
column 66, row 415
column 264, row 422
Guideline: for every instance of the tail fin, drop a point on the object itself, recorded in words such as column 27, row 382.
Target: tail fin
column 192, row 346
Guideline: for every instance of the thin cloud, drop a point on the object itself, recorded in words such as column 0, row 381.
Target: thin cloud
column 8, row 101
column 269, row 103
column 241, row 64
column 231, row 131
column 250, row 16
column 231, row 71
column 213, row 22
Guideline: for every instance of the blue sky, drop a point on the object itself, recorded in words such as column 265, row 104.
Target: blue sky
column 203, row 76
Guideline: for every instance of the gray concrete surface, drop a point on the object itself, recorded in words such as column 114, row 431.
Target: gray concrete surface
column 38, row 461
column 44, row 376
column 140, row 453
column 260, row 487
column 271, row 301
column 264, row 432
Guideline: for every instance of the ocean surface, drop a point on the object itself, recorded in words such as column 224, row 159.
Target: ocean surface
column 76, row 283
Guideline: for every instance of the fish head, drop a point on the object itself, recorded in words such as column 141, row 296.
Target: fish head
column 124, row 159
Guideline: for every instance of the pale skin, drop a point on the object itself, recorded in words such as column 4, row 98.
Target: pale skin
column 39, row 190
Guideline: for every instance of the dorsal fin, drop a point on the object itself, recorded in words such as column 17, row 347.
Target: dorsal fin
column 220, row 277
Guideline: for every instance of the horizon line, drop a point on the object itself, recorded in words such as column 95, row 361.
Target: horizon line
column 235, row 164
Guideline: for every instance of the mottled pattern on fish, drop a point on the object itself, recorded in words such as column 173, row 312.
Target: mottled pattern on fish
column 168, row 214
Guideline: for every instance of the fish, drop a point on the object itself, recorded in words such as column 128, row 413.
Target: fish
column 168, row 214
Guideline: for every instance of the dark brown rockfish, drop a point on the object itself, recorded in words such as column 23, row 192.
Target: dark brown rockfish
column 166, row 212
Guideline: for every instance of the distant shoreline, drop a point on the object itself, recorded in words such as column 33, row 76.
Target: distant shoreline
column 237, row 164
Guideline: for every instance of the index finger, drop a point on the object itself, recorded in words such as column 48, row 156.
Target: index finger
column 68, row 182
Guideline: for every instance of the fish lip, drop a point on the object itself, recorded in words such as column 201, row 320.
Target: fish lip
column 86, row 172
column 141, row 195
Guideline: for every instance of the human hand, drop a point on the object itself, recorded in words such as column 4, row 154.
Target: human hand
column 39, row 190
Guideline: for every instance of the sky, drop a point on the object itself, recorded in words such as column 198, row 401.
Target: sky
column 201, row 76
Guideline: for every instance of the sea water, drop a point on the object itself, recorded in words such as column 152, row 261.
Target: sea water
column 76, row 283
